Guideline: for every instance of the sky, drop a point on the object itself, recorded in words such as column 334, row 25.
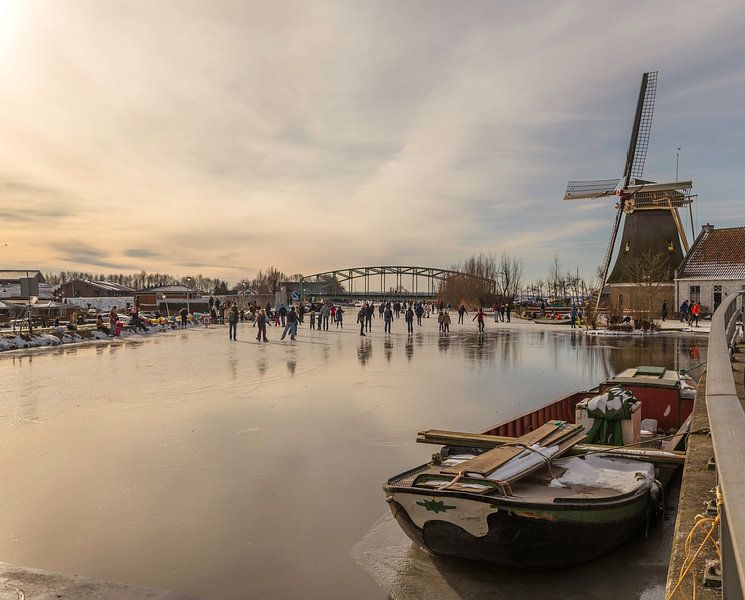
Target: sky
column 222, row 137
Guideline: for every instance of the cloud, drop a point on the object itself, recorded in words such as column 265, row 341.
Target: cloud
column 76, row 252
column 317, row 135
column 141, row 253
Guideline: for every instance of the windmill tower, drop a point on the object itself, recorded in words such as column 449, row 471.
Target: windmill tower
column 650, row 211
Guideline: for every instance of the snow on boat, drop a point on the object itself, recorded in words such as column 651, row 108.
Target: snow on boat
column 509, row 497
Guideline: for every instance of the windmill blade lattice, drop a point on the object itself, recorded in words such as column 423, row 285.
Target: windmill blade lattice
column 645, row 126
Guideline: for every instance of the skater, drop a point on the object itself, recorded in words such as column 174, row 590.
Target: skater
column 113, row 318
column 233, row 323
column 183, row 313
column 409, row 316
column 479, row 318
column 684, row 311
column 664, row 310
column 573, row 315
column 509, row 311
column 369, row 314
column 387, row 318
column 419, row 312
column 312, row 316
column 340, row 317
column 461, row 313
column 261, row 321
column 695, row 310
column 446, row 322
column 361, row 320
column 291, row 325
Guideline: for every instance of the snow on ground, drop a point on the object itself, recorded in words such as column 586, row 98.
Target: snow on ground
column 60, row 335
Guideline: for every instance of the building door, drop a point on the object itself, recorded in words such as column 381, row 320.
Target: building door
column 717, row 296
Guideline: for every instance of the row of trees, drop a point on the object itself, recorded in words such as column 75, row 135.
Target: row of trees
column 143, row 279
column 485, row 280
column 266, row 281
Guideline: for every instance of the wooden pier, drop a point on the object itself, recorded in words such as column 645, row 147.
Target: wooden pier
column 698, row 549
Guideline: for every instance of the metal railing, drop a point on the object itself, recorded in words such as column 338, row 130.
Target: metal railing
column 727, row 422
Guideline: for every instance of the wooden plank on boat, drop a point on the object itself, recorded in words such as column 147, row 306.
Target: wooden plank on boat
column 465, row 440
column 684, row 429
column 443, row 437
column 563, row 447
column 570, row 430
column 526, row 471
column 492, row 459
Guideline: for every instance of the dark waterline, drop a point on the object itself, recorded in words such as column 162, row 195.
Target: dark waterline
column 234, row 470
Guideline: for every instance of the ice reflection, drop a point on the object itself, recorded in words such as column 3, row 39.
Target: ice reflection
column 364, row 351
column 122, row 449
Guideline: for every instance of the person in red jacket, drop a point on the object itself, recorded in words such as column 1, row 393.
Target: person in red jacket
column 479, row 318
column 694, row 313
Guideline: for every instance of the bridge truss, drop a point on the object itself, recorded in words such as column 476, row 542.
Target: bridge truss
column 384, row 281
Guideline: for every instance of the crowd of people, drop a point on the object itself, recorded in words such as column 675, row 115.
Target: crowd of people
column 322, row 316
column 689, row 312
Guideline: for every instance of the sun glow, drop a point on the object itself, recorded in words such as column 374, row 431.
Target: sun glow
column 10, row 11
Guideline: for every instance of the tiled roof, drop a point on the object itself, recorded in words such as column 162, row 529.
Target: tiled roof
column 717, row 254
column 170, row 288
column 107, row 285
column 15, row 274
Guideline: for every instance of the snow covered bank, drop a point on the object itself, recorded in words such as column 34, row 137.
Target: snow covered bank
column 61, row 335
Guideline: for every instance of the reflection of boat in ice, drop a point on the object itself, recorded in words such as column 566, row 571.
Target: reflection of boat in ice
column 509, row 497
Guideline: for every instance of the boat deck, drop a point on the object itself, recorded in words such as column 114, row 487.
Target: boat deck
column 578, row 479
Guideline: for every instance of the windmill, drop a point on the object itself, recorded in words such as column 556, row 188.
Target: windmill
column 652, row 222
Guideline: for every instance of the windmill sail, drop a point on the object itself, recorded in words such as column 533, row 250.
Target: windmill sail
column 578, row 190
column 640, row 132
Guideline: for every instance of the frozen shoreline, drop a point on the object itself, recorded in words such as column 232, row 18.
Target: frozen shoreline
column 63, row 337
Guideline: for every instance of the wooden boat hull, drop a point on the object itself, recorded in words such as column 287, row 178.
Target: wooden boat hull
column 552, row 321
column 514, row 533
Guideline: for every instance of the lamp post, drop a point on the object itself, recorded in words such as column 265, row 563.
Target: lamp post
column 188, row 306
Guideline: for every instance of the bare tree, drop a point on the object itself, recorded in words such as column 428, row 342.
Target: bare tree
column 475, row 284
column 649, row 272
column 509, row 276
column 554, row 280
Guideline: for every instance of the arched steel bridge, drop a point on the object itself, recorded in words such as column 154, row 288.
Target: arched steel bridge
column 376, row 281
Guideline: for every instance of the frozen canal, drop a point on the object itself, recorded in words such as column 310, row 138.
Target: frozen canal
column 238, row 470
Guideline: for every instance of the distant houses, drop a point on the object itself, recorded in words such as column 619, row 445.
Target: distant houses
column 15, row 304
column 169, row 299
column 713, row 268
column 85, row 288
column 14, row 276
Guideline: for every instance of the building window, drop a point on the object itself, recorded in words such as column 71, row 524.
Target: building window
column 627, row 247
column 694, row 293
column 717, row 296
column 620, row 299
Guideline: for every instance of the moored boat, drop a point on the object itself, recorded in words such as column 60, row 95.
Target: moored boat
column 556, row 510
column 551, row 321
